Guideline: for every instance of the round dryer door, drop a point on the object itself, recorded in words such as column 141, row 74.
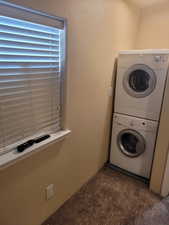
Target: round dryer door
column 139, row 81
column 131, row 143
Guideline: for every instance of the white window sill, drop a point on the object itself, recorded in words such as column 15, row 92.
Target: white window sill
column 14, row 156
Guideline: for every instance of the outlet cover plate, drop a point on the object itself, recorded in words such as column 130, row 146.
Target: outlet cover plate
column 49, row 191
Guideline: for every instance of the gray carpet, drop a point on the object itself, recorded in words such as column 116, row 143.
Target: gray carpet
column 110, row 198
column 157, row 215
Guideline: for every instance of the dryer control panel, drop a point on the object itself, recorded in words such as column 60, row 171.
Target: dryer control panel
column 161, row 58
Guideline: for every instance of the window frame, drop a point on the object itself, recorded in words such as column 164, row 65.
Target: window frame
column 63, row 72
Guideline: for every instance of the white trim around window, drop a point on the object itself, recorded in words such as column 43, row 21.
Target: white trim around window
column 32, row 78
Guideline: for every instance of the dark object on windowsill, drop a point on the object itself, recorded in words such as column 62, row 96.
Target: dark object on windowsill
column 41, row 138
column 22, row 147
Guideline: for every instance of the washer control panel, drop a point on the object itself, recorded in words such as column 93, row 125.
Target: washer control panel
column 130, row 122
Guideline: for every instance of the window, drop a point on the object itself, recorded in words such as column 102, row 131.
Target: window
column 32, row 67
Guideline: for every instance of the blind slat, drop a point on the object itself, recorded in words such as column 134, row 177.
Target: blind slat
column 24, row 45
column 27, row 32
column 26, row 39
column 27, row 59
column 44, row 100
column 28, row 25
column 32, row 65
column 24, row 81
column 19, row 77
column 15, row 51
column 23, row 97
column 26, row 117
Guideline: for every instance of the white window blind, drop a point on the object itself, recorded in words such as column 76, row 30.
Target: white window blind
column 31, row 69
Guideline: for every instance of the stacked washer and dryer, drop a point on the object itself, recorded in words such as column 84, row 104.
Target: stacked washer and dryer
column 140, row 85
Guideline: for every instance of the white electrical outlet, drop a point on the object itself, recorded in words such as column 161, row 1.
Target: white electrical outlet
column 50, row 191
column 110, row 91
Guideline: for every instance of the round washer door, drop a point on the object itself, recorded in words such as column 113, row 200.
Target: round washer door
column 131, row 143
column 139, row 81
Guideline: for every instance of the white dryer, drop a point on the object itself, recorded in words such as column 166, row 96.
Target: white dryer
column 132, row 144
column 140, row 84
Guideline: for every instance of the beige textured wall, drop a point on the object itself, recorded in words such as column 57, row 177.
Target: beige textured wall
column 97, row 29
column 153, row 28
column 154, row 33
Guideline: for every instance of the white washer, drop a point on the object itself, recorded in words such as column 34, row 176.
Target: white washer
column 132, row 144
column 140, row 84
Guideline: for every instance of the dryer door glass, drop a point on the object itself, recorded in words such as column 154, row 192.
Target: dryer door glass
column 131, row 143
column 139, row 81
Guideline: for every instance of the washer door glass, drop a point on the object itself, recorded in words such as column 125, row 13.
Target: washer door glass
column 131, row 143
column 139, row 81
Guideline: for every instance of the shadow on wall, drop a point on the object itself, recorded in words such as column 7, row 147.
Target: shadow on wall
column 111, row 109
